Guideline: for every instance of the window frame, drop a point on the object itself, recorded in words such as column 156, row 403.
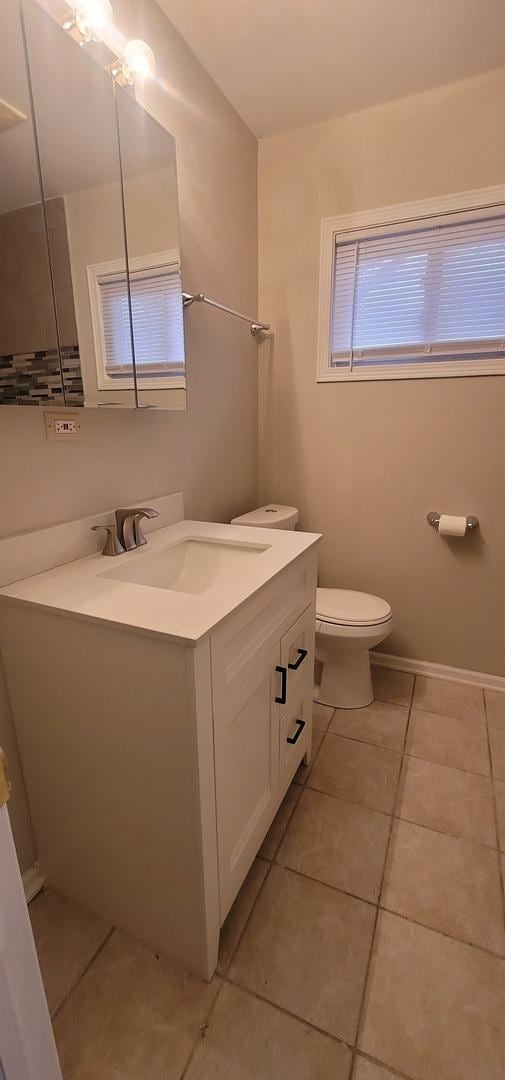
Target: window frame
column 477, row 204
column 96, row 273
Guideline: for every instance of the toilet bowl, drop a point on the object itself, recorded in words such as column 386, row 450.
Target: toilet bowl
column 348, row 624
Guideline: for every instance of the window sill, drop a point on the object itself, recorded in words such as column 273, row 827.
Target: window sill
column 454, row 370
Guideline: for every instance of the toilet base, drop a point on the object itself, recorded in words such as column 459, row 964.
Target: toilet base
column 346, row 680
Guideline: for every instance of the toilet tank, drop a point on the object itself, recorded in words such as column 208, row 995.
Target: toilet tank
column 272, row 516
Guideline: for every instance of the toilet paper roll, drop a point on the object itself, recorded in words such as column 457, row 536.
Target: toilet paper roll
column 451, row 525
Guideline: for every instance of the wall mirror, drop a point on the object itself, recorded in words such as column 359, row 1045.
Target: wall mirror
column 149, row 174
column 109, row 211
column 30, row 368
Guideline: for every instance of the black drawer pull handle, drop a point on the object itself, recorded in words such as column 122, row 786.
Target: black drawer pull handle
column 301, row 658
column 283, row 672
column 294, row 738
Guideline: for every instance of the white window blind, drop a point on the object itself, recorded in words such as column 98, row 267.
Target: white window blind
column 431, row 295
column 157, row 316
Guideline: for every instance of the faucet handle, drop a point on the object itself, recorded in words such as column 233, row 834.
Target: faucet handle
column 128, row 528
column 138, row 515
column 112, row 545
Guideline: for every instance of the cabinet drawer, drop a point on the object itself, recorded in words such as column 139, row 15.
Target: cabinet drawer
column 239, row 644
column 295, row 733
column 297, row 653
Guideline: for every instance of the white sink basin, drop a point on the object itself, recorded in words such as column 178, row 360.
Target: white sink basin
column 193, row 565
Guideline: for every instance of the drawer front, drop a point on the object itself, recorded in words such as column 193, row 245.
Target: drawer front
column 238, row 645
column 297, row 653
column 295, row 733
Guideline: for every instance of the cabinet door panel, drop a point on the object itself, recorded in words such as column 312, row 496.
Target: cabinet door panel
column 246, row 735
column 241, row 642
column 297, row 653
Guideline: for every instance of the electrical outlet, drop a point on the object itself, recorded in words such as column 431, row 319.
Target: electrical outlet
column 62, row 425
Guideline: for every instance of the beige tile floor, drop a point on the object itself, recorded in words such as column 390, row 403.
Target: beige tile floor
column 368, row 940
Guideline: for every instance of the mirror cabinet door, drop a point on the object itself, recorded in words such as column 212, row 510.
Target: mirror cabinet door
column 76, row 130
column 149, row 172
column 30, row 361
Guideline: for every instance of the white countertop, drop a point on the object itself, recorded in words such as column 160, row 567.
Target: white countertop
column 78, row 589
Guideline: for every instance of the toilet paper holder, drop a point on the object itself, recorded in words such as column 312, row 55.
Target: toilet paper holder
column 433, row 518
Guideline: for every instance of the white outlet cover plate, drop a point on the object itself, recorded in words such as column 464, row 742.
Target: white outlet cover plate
column 62, row 425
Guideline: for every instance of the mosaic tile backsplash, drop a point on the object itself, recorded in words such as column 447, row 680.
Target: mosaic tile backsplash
column 33, row 378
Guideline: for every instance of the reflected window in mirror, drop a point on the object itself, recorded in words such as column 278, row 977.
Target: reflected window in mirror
column 152, row 298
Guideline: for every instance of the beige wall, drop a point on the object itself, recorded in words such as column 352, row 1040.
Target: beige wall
column 210, row 452
column 364, row 462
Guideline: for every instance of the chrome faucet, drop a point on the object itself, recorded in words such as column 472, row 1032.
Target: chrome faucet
column 126, row 534
column 129, row 531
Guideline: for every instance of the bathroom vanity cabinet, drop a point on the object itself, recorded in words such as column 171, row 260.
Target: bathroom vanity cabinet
column 155, row 764
column 260, row 733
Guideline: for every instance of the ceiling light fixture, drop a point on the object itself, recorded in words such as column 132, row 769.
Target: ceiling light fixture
column 137, row 63
column 89, row 20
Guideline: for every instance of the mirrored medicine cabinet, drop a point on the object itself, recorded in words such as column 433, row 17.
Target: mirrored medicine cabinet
column 91, row 310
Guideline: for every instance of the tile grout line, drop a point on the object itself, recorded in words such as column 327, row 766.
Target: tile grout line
column 84, row 972
column 284, row 831
column 443, row 933
column 270, row 862
column 394, row 817
column 307, row 1023
column 373, row 940
column 202, row 1029
column 327, row 885
column 388, row 1068
column 443, row 764
column 418, row 757
column 225, row 978
column 495, row 812
column 393, row 911
column 397, row 817
column 440, row 832
column 352, row 802
column 287, row 1012
column 364, row 742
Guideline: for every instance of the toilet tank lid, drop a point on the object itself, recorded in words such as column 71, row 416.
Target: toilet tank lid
column 272, row 516
column 350, row 608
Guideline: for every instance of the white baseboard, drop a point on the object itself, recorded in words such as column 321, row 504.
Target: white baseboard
column 33, row 882
column 439, row 671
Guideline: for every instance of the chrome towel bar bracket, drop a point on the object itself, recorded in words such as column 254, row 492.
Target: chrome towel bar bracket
column 433, row 518
column 256, row 327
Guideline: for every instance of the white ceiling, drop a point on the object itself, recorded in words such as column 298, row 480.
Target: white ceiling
column 287, row 63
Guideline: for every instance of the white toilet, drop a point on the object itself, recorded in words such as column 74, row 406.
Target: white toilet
column 348, row 624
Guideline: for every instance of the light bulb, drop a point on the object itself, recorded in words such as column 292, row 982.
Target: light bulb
column 138, row 59
column 92, row 18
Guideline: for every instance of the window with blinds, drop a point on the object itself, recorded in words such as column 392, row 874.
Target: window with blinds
column 157, row 318
column 420, row 300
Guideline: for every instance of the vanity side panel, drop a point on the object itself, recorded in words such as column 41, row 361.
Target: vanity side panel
column 106, row 723
column 205, row 796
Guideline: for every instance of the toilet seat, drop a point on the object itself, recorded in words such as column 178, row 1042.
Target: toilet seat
column 346, row 607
